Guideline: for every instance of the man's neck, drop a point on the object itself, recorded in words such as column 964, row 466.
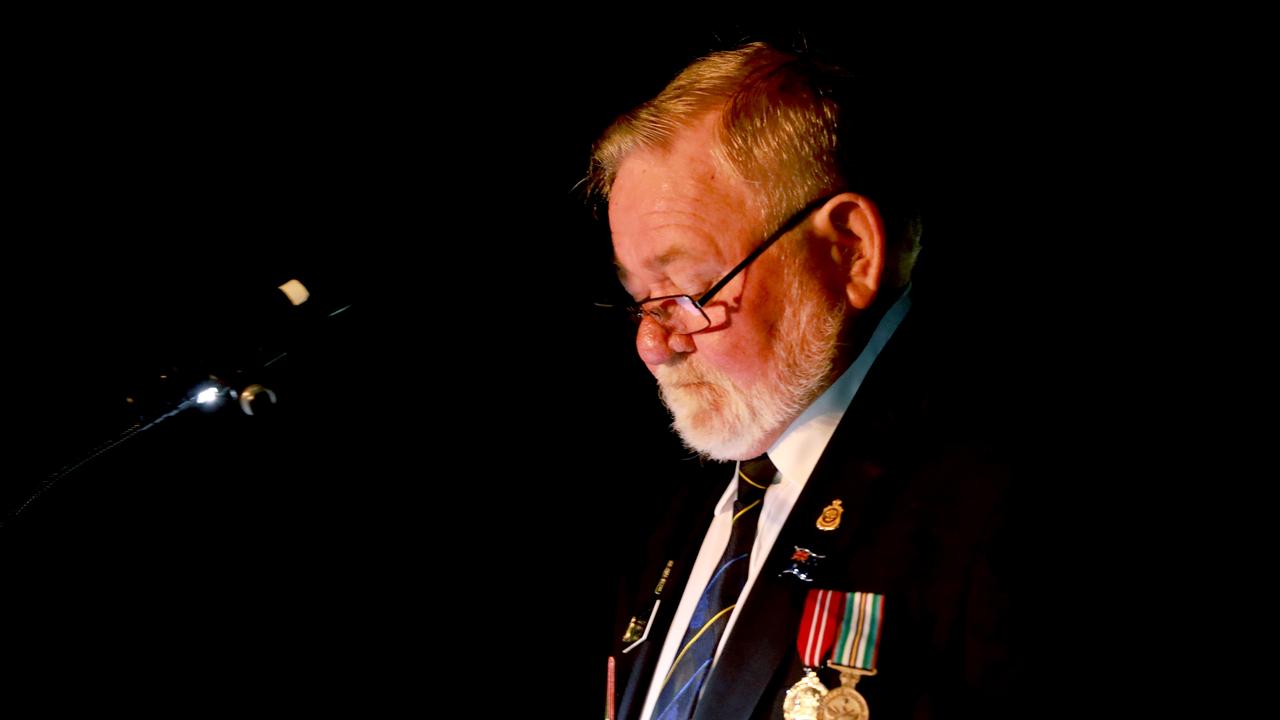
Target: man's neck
column 858, row 331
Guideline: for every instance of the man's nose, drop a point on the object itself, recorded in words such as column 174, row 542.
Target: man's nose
column 657, row 345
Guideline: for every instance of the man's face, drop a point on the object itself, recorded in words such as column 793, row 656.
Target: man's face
column 680, row 223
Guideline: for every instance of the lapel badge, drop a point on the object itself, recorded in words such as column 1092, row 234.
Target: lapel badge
column 830, row 517
column 803, row 562
column 635, row 630
column 638, row 628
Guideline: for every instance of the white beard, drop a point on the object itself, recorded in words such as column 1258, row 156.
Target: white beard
column 720, row 420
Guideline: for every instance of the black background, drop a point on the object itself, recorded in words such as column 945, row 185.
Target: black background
column 435, row 485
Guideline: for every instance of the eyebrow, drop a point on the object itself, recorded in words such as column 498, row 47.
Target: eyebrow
column 671, row 254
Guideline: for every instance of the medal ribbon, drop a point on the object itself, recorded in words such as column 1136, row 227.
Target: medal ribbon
column 823, row 610
column 859, row 641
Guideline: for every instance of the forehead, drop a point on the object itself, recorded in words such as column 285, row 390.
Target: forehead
column 678, row 202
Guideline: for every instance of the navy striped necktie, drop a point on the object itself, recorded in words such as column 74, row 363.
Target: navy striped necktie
column 689, row 671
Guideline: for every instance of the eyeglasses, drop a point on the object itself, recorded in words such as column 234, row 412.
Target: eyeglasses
column 684, row 315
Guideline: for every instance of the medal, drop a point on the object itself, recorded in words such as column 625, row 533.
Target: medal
column 844, row 703
column 803, row 699
column 854, row 656
column 822, row 612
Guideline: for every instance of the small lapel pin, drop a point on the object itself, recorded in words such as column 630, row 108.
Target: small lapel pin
column 830, row 517
column 635, row 630
column 803, row 562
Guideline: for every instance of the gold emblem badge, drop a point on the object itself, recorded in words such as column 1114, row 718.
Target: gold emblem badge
column 803, row 699
column 830, row 517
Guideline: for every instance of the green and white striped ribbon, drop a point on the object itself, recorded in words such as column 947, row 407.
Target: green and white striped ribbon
column 859, row 640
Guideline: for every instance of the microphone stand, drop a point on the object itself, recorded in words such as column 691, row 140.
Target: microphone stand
column 206, row 395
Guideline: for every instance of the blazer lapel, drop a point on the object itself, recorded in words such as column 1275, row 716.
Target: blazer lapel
column 764, row 636
column 677, row 543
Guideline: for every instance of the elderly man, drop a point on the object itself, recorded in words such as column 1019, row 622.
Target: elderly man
column 758, row 228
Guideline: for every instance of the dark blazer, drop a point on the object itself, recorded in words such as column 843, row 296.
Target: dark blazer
column 923, row 524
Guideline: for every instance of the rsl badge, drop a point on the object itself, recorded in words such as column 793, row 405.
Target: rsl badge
column 831, row 514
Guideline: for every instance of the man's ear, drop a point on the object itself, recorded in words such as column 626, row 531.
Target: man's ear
column 852, row 226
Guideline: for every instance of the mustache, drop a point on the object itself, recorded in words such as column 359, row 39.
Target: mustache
column 674, row 382
column 687, row 371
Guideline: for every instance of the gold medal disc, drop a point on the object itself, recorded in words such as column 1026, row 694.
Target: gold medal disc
column 803, row 699
column 843, row 703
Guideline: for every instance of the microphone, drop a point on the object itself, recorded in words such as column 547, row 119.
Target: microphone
column 238, row 344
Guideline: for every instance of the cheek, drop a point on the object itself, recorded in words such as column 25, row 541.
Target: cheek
column 744, row 348
column 743, row 357
column 768, row 309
